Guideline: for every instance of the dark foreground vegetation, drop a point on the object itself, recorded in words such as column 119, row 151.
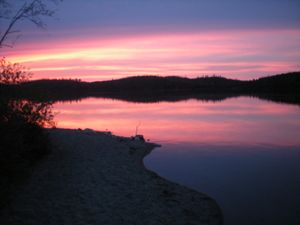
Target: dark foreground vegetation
column 280, row 88
column 23, row 141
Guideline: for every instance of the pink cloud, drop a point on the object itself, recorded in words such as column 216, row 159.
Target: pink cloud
column 236, row 54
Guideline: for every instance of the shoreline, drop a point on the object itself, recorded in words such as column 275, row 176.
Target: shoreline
column 98, row 178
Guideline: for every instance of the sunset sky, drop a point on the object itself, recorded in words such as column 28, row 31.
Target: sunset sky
column 109, row 39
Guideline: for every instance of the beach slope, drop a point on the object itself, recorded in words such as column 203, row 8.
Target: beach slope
column 98, row 178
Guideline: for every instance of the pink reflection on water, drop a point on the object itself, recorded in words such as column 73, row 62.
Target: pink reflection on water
column 240, row 120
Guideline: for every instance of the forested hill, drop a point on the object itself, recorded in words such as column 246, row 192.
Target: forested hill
column 154, row 83
column 284, row 83
column 288, row 83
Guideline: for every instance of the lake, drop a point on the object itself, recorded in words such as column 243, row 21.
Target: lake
column 243, row 152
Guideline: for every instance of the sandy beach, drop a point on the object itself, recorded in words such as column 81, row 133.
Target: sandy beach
column 98, row 178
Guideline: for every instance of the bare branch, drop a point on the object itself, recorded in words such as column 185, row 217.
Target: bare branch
column 32, row 11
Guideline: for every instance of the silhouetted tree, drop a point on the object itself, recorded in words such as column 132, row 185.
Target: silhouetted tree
column 13, row 12
column 22, row 139
column 25, row 111
column 12, row 73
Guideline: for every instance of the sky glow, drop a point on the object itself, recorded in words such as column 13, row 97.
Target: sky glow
column 176, row 40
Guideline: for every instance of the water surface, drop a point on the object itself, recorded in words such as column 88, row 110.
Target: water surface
column 243, row 152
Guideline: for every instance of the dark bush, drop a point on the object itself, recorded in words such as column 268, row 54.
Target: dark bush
column 23, row 141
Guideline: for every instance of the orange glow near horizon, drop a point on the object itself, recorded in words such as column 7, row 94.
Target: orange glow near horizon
column 235, row 54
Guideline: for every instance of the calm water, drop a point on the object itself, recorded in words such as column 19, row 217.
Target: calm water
column 243, row 152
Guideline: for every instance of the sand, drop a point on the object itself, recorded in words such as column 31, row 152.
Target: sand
column 98, row 178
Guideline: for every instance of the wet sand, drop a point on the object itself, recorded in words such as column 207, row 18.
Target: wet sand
column 98, row 178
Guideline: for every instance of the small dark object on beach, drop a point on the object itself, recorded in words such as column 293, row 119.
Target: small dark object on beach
column 138, row 138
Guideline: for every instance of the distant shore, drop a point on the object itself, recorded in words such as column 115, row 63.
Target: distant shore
column 282, row 88
column 98, row 178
